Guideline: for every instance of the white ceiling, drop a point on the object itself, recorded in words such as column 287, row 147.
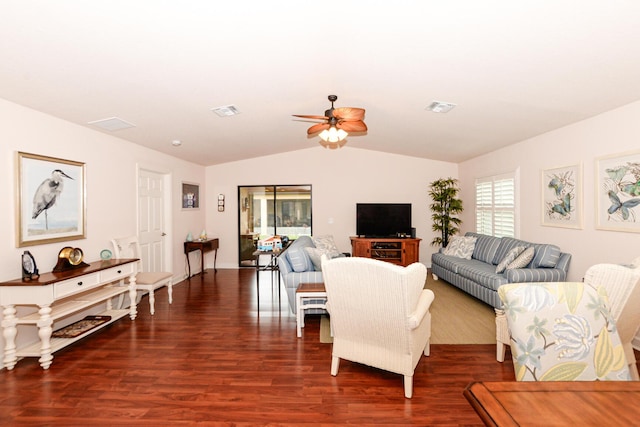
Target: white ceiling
column 516, row 69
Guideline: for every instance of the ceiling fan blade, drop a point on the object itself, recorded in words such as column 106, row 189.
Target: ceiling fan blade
column 311, row 117
column 352, row 126
column 348, row 113
column 317, row 128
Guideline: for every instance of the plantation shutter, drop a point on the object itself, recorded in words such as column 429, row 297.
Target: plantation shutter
column 484, row 207
column 495, row 206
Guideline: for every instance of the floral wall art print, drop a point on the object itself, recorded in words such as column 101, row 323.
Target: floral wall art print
column 618, row 192
column 562, row 197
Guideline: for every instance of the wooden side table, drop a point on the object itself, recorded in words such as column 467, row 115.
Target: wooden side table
column 308, row 296
column 202, row 246
column 553, row 403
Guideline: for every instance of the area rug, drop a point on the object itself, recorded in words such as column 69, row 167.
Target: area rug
column 80, row 327
column 456, row 317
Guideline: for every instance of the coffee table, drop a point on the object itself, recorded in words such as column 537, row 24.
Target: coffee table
column 308, row 296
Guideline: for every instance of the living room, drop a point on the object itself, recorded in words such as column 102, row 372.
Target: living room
column 339, row 179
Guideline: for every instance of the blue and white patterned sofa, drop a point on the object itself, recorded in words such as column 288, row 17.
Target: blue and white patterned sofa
column 477, row 276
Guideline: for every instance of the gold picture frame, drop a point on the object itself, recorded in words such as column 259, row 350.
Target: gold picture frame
column 50, row 200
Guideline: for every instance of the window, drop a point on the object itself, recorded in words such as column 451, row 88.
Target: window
column 496, row 205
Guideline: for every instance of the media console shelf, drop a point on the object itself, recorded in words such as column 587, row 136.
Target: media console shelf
column 401, row 251
column 59, row 295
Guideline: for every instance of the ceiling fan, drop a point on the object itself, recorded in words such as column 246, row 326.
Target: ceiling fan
column 336, row 124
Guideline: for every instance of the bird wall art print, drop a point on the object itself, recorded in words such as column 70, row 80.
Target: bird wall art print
column 51, row 199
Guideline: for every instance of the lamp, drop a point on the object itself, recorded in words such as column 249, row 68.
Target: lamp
column 333, row 134
column 333, row 137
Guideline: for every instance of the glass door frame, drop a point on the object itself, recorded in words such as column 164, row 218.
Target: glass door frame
column 267, row 210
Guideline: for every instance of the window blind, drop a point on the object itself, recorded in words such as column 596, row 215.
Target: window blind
column 496, row 205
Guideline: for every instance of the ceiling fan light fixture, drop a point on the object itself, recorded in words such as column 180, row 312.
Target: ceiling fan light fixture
column 333, row 135
column 440, row 107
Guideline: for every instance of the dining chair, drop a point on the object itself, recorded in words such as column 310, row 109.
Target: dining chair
column 129, row 247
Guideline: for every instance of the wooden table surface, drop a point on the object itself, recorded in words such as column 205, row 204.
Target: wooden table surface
column 311, row 287
column 583, row 403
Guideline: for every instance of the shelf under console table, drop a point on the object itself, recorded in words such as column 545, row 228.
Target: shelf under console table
column 59, row 295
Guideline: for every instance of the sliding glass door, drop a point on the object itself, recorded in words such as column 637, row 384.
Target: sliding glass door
column 269, row 210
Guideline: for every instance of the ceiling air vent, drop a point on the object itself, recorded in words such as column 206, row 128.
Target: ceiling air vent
column 226, row 111
column 440, row 107
column 112, row 124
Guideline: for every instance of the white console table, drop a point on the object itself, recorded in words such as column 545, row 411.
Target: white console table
column 59, row 295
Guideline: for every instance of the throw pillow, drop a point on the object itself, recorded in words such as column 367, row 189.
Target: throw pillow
column 316, row 257
column 298, row 258
column 460, row 247
column 327, row 246
column 523, row 259
column 509, row 258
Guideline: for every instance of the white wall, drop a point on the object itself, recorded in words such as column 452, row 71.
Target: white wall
column 111, row 199
column 616, row 131
column 339, row 178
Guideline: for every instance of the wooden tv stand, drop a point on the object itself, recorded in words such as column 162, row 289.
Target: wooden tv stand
column 400, row 251
column 60, row 295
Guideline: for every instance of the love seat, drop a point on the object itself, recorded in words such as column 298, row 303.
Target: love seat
column 301, row 263
column 476, row 272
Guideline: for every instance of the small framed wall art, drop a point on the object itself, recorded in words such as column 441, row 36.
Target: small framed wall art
column 50, row 200
column 618, row 192
column 190, row 195
column 562, row 196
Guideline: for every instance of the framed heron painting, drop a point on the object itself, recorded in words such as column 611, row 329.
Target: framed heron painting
column 618, row 192
column 562, row 196
column 50, row 200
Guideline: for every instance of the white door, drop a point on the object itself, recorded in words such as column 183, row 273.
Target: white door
column 151, row 227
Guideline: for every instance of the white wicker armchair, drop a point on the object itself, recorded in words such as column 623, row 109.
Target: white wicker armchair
column 379, row 314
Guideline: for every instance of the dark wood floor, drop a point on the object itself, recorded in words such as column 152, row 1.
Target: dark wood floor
column 214, row 358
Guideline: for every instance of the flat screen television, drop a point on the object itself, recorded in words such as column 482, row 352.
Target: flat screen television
column 383, row 219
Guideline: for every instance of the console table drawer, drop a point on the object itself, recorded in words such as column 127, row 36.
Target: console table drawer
column 120, row 272
column 79, row 284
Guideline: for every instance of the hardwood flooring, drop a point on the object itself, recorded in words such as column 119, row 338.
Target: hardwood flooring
column 214, row 358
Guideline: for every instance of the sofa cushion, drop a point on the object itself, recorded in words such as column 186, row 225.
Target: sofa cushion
column 461, row 247
column 546, row 256
column 509, row 258
column 298, row 256
column 506, row 244
column 447, row 262
column 486, row 247
column 482, row 273
column 523, row 259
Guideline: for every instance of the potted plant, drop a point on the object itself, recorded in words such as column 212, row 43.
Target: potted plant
column 445, row 207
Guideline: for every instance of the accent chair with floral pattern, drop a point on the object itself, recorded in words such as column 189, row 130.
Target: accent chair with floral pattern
column 562, row 331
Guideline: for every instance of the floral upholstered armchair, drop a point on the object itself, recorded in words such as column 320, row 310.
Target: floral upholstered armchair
column 562, row 331
column 622, row 284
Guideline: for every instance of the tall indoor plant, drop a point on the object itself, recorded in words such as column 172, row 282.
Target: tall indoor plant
column 444, row 207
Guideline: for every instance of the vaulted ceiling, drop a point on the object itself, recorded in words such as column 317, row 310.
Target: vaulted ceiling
column 515, row 69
